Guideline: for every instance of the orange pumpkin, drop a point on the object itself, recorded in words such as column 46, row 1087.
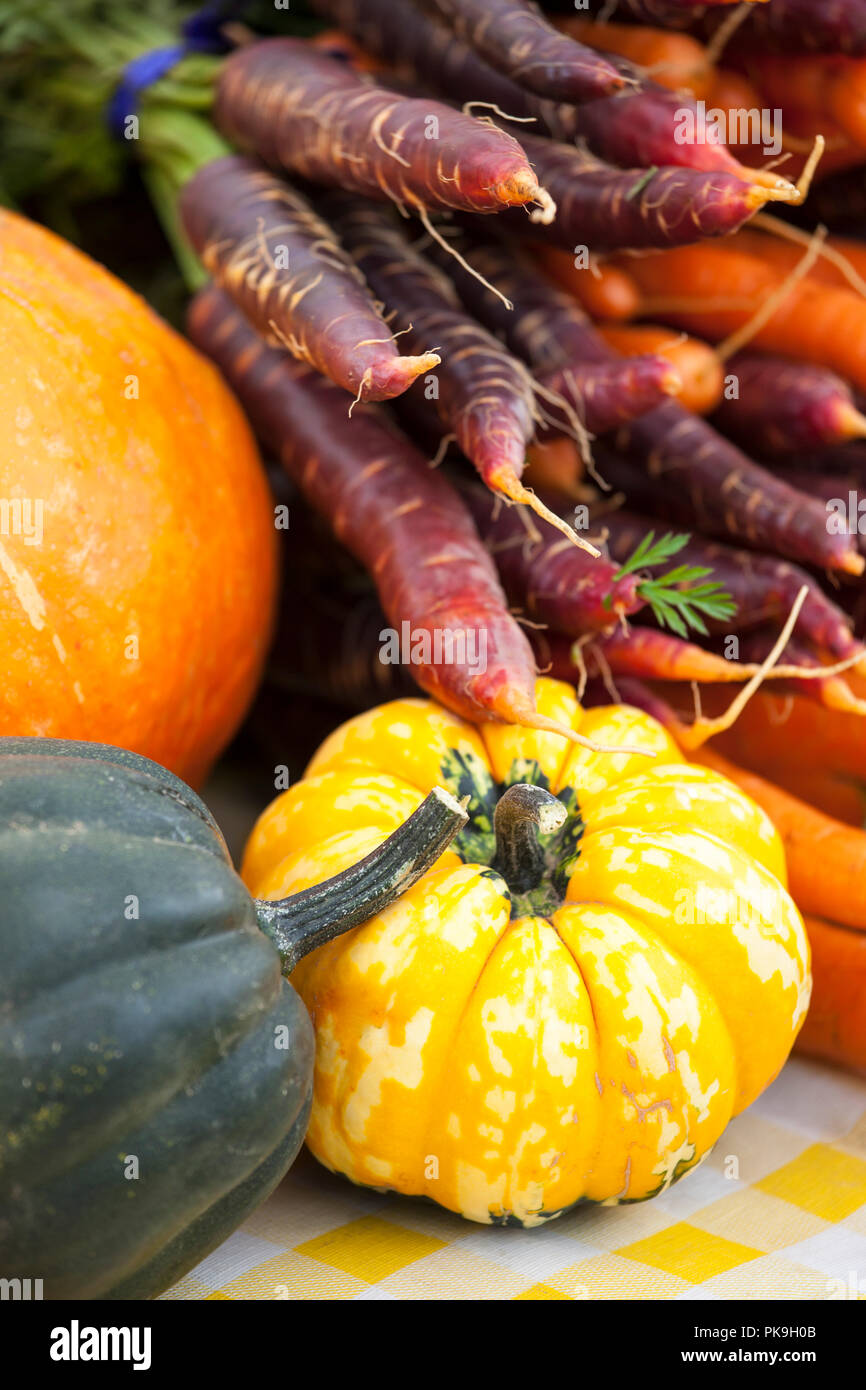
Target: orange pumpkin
column 137, row 542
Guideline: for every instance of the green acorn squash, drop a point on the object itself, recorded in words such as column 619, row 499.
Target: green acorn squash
column 155, row 1066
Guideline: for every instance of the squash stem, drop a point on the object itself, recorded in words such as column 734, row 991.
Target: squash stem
column 306, row 920
column 521, row 814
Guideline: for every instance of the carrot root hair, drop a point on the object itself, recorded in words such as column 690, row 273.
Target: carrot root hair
column 509, row 486
column 424, row 219
column 696, row 734
column 767, row 187
column 516, row 708
column 395, row 376
column 743, row 335
column 544, row 211
column 521, row 190
column 766, row 222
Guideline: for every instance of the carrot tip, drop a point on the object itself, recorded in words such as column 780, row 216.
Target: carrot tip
column 758, row 194
column 765, row 178
column 545, row 212
column 838, row 695
column 396, row 376
column 515, row 707
column 850, row 422
column 523, row 188
column 507, row 483
column 852, row 563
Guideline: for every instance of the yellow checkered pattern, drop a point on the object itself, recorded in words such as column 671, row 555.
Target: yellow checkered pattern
column 777, row 1211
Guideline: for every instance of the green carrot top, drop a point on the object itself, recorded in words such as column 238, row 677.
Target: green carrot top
column 675, row 606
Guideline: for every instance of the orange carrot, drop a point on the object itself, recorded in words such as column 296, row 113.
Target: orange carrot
column 672, row 60
column 842, row 801
column 798, row 136
column 730, row 90
column 760, row 744
column 713, row 290
column 823, row 738
column 835, row 1027
column 696, row 364
column 826, row 859
column 785, row 255
column 676, row 61
column 824, row 86
column 645, row 653
column 606, row 291
column 854, row 251
column 554, row 465
column 828, row 766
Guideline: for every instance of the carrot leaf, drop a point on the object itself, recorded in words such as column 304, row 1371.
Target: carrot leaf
column 678, row 601
column 650, row 552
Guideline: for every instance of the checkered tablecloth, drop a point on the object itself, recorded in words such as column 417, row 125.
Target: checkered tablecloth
column 777, row 1211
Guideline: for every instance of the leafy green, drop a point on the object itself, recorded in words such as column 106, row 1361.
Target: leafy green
column 678, row 601
column 60, row 62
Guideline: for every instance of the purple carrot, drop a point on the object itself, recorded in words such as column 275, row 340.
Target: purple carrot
column 761, row 586
column 425, row 52
column 546, row 577
column 670, row 14
column 402, row 520
column 608, row 209
column 845, row 461
column 666, row 14
column 784, row 407
column 576, row 365
column 842, row 494
column 636, row 127
column 485, row 396
column 600, row 396
column 652, row 127
column 517, row 40
column 816, row 479
column 606, row 395
column 800, row 26
column 301, row 109
column 283, row 267
column 705, row 479
column 547, row 327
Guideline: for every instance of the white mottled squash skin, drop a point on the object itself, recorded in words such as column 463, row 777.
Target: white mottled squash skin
column 508, row 1057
